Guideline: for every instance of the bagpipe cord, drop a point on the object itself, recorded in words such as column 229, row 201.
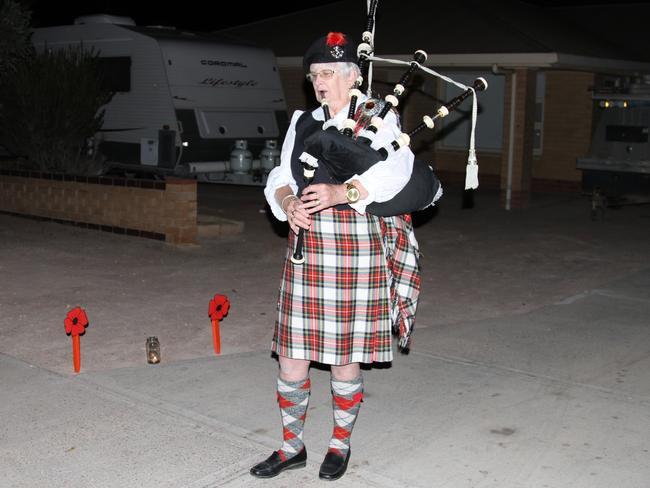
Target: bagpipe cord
column 471, row 175
column 374, row 23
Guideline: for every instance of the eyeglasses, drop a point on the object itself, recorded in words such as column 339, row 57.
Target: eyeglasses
column 325, row 74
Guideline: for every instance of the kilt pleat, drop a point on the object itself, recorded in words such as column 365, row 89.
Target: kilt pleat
column 403, row 262
column 335, row 307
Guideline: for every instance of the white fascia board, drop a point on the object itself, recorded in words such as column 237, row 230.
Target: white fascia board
column 506, row 61
column 601, row 64
column 509, row 60
column 502, row 60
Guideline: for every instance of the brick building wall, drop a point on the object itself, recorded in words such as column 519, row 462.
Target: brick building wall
column 153, row 209
column 568, row 112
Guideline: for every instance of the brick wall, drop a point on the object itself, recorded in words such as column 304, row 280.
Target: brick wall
column 567, row 126
column 145, row 208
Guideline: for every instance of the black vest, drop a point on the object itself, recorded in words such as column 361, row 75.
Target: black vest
column 306, row 126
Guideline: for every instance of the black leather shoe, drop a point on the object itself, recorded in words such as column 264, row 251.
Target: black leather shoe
column 274, row 465
column 333, row 466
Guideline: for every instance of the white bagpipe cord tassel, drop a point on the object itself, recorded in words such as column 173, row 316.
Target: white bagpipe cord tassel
column 471, row 172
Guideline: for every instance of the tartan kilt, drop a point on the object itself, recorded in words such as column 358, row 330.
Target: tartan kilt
column 335, row 308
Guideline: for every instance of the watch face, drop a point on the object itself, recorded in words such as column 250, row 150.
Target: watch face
column 352, row 194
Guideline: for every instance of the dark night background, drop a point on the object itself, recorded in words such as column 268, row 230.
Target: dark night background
column 194, row 15
column 205, row 15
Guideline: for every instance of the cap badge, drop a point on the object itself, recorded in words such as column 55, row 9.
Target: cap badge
column 337, row 52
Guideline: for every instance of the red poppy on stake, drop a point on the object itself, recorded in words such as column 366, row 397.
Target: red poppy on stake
column 75, row 324
column 217, row 309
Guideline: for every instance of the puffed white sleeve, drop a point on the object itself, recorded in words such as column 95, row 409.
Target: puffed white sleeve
column 385, row 178
column 281, row 175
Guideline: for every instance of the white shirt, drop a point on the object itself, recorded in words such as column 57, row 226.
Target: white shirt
column 383, row 180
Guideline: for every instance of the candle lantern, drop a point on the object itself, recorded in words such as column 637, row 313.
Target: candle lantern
column 153, row 350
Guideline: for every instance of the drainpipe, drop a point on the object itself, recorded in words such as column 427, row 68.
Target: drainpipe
column 511, row 129
column 511, row 136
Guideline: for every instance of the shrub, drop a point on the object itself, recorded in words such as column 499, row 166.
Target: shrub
column 15, row 44
column 51, row 106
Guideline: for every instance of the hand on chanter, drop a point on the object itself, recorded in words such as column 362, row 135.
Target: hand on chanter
column 320, row 196
column 297, row 215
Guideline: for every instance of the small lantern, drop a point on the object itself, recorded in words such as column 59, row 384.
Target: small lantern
column 153, row 350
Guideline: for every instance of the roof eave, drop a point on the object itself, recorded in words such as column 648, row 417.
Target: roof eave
column 548, row 60
column 601, row 65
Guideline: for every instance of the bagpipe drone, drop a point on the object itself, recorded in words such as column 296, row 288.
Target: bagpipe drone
column 348, row 152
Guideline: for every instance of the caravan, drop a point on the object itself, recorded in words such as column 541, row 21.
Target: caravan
column 616, row 171
column 184, row 101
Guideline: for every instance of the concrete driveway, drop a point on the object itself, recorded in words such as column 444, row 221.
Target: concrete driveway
column 529, row 368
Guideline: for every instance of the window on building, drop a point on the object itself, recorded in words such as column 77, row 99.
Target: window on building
column 454, row 130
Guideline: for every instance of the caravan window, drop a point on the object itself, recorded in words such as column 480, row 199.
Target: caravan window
column 116, row 73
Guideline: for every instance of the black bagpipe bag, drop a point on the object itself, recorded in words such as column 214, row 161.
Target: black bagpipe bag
column 343, row 157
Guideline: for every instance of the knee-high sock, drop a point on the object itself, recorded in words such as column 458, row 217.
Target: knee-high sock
column 293, row 398
column 346, row 401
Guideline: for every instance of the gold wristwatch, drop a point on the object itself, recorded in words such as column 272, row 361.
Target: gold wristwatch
column 352, row 193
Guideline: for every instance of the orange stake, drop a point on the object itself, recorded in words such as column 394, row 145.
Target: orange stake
column 217, row 309
column 76, row 353
column 216, row 339
column 75, row 324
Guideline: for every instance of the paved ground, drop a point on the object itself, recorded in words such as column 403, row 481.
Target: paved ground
column 529, row 366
